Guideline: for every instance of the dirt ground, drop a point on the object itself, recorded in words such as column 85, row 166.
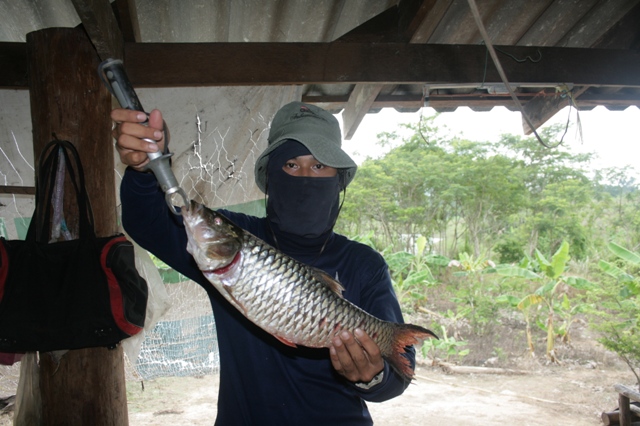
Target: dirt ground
column 565, row 395
column 573, row 393
column 548, row 395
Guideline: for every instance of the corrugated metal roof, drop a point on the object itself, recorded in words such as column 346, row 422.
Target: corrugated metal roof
column 198, row 21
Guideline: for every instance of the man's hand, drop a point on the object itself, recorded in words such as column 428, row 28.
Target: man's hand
column 129, row 134
column 357, row 357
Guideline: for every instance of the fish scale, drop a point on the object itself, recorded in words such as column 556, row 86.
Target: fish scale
column 296, row 303
column 316, row 303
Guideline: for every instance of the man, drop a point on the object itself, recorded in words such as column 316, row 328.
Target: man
column 303, row 172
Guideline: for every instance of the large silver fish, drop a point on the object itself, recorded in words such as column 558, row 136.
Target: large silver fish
column 297, row 304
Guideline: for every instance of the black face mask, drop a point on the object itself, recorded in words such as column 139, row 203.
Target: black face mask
column 304, row 206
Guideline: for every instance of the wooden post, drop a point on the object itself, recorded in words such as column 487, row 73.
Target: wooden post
column 625, row 412
column 625, row 394
column 86, row 387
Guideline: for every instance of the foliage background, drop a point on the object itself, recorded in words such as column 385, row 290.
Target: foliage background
column 450, row 215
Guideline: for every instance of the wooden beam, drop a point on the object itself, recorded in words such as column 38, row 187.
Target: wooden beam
column 608, row 99
column 222, row 64
column 86, row 386
column 22, row 190
column 358, row 106
column 337, row 103
column 426, row 20
column 100, row 23
column 415, row 23
column 596, row 22
column 127, row 16
column 13, row 72
column 254, row 64
column 624, row 33
column 384, row 27
column 625, row 394
column 543, row 107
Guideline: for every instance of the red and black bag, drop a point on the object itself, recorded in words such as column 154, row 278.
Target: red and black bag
column 73, row 294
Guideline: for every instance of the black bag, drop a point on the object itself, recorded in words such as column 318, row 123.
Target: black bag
column 70, row 294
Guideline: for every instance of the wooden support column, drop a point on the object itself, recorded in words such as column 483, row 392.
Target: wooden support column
column 86, row 387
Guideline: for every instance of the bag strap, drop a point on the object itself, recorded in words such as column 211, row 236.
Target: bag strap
column 45, row 182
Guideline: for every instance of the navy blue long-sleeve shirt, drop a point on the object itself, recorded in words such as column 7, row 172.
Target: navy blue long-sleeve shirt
column 262, row 381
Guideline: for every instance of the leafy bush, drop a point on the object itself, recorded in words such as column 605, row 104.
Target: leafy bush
column 509, row 250
column 616, row 313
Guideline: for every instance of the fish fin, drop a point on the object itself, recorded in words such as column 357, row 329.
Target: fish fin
column 327, row 280
column 406, row 335
column 285, row 341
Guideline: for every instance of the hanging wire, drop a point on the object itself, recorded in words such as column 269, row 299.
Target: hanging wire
column 520, row 60
column 564, row 89
column 496, row 61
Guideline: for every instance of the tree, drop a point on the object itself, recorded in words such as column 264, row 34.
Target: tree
column 559, row 215
column 616, row 313
column 398, row 195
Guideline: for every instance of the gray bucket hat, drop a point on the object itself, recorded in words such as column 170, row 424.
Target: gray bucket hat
column 316, row 129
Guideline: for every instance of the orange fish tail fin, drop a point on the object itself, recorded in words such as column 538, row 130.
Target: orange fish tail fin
column 406, row 335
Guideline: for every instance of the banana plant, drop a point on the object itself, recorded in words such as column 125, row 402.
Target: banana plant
column 631, row 284
column 411, row 273
column 551, row 278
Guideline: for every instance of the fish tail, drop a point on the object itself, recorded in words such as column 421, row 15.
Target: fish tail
column 406, row 335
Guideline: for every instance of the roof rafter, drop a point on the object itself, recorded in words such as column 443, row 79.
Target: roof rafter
column 414, row 22
column 100, row 23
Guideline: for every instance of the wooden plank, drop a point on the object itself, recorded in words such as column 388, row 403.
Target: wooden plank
column 426, row 20
column 552, row 25
column 400, row 24
column 379, row 29
column 608, row 99
column 13, row 72
column 624, row 395
column 512, row 19
column 358, row 106
column 459, row 26
column 612, row 418
column 472, row 100
column 23, row 190
column 87, row 386
column 628, row 392
column 625, row 412
column 542, row 108
column 624, row 34
column 383, row 27
column 100, row 23
column 417, row 20
column 126, row 14
column 338, row 102
column 253, row 64
column 222, row 64
column 594, row 24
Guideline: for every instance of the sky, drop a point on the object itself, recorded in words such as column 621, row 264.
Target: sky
column 613, row 135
